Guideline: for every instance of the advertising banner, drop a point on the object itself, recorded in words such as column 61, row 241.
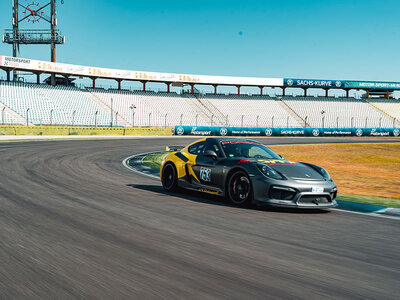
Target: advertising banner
column 267, row 131
column 315, row 83
column 372, row 85
column 95, row 72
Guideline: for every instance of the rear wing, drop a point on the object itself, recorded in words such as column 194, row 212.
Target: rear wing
column 174, row 148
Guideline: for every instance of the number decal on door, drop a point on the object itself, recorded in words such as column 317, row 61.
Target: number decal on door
column 205, row 174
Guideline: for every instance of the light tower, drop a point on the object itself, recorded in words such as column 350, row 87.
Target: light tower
column 33, row 12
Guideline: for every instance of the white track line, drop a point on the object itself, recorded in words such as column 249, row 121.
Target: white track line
column 125, row 163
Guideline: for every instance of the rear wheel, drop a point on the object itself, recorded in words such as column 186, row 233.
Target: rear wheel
column 169, row 178
column 239, row 189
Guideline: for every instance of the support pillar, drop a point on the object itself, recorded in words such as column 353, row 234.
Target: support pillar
column 238, row 87
column 261, row 90
column 387, row 94
column 38, row 78
column 15, row 34
column 53, row 79
column 347, row 93
column 283, row 92
column 367, row 94
column 168, row 87
column 119, row 84
column 144, row 85
column 66, row 81
column 326, row 93
column 8, row 75
column 305, row 92
column 192, row 88
column 53, row 34
column 215, row 89
column 94, row 82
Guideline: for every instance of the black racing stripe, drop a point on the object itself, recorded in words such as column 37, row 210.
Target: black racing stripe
column 181, row 156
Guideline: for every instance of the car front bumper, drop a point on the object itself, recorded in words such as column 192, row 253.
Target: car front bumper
column 305, row 194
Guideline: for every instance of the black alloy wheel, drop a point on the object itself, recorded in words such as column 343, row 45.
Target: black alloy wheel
column 169, row 178
column 239, row 189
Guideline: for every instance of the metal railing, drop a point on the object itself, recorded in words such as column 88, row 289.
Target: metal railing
column 152, row 119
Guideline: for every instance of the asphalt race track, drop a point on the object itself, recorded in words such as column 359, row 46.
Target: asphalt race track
column 76, row 223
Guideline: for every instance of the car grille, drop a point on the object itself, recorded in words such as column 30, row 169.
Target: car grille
column 281, row 194
column 314, row 199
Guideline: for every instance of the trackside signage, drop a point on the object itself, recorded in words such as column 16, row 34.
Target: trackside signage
column 339, row 84
column 267, row 131
column 12, row 63
column 372, row 85
column 316, row 83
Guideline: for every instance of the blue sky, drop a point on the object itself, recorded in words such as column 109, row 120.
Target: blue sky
column 352, row 39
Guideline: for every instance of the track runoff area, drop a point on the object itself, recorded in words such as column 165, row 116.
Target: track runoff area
column 76, row 223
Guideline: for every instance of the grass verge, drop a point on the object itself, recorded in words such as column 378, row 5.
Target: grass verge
column 154, row 160
column 75, row 130
column 370, row 200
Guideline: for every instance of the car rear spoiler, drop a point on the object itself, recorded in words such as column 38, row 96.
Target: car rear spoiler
column 174, row 148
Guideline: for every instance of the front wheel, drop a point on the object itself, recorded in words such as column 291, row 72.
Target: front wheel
column 239, row 189
column 169, row 178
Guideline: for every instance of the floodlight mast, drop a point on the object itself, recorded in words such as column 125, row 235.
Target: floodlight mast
column 51, row 37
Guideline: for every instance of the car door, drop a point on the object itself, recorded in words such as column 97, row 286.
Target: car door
column 208, row 170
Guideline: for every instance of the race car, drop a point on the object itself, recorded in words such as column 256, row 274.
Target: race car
column 247, row 172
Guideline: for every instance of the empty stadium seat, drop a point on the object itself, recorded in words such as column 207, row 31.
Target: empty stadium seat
column 46, row 104
column 337, row 112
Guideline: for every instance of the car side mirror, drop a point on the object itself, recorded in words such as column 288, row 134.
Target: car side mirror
column 281, row 157
column 211, row 154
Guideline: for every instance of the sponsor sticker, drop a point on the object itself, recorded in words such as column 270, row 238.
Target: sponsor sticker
column 208, row 191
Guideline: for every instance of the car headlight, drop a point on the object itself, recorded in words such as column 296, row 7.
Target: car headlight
column 324, row 173
column 268, row 171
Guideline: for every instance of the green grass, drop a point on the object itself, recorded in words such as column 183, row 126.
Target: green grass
column 154, row 160
column 370, row 200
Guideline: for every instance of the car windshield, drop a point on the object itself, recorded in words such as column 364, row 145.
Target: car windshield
column 247, row 149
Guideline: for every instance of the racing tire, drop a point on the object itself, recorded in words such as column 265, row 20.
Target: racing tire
column 169, row 178
column 239, row 190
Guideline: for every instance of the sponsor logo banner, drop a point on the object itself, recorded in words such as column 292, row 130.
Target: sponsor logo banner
column 88, row 71
column 372, row 85
column 317, row 83
column 267, row 131
column 15, row 62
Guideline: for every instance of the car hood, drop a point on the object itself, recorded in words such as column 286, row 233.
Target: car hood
column 293, row 170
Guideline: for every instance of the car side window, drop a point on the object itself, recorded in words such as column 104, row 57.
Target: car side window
column 214, row 147
column 197, row 149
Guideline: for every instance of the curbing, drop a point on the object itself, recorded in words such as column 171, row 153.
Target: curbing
column 359, row 207
column 369, row 209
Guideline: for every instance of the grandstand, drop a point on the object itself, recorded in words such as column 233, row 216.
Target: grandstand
column 253, row 111
column 337, row 112
column 47, row 105
column 43, row 104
